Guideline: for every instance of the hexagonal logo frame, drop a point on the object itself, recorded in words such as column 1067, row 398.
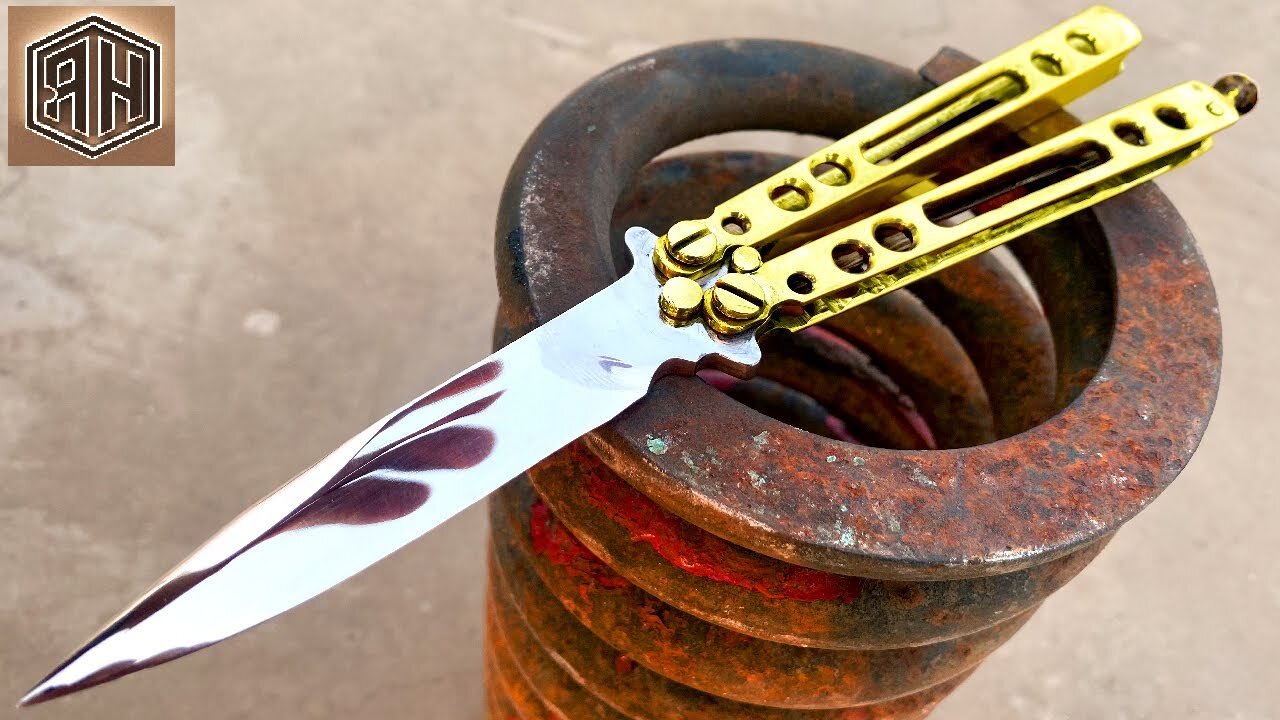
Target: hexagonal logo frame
column 93, row 86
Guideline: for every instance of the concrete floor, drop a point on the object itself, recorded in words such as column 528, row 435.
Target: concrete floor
column 176, row 341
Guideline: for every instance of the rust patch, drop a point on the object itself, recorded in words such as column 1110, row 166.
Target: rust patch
column 704, row 557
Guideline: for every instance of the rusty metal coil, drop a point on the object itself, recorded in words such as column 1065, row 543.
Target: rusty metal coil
column 894, row 495
column 575, row 674
column 552, row 577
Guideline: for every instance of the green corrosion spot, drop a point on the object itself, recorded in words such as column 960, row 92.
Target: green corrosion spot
column 688, row 460
column 657, row 446
column 846, row 534
column 761, row 439
column 831, row 458
column 858, row 461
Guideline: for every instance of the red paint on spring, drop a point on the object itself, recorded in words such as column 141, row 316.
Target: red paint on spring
column 551, row 539
column 701, row 553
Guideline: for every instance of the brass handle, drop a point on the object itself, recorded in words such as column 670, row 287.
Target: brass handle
column 811, row 272
column 908, row 145
column 987, row 207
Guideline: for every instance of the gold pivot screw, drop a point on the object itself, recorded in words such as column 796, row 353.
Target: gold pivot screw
column 691, row 243
column 1240, row 89
column 680, row 299
column 745, row 259
column 738, row 297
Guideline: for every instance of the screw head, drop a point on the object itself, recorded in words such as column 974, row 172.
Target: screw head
column 680, row 299
column 1240, row 89
column 738, row 297
column 690, row 242
column 745, row 259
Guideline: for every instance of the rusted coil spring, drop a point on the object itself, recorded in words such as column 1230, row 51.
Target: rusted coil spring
column 699, row 559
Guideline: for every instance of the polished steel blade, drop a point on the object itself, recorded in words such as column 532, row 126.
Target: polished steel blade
column 407, row 473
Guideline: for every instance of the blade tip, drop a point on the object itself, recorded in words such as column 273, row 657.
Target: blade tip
column 61, row 682
column 42, row 692
column 51, row 688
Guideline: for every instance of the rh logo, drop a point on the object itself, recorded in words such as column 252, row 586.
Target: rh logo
column 93, row 86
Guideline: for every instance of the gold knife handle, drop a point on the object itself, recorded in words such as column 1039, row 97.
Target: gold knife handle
column 978, row 211
column 909, row 144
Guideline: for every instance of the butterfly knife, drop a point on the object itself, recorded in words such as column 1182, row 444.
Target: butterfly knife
column 859, row 218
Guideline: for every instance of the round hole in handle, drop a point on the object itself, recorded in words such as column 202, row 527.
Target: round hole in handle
column 1083, row 42
column 852, row 256
column 1049, row 64
column 792, row 195
column 832, row 169
column 800, row 283
column 1173, row 117
column 735, row 223
column 894, row 235
column 1130, row 132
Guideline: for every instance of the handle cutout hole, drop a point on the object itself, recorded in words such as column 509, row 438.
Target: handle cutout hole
column 1131, row 133
column 832, row 169
column 1083, row 42
column 1173, row 117
column 735, row 223
column 791, row 195
column 801, row 283
column 966, row 203
column 852, row 257
column 895, row 236
column 943, row 117
column 1049, row 64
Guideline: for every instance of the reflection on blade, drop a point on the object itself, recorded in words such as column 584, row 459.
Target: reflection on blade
column 406, row 474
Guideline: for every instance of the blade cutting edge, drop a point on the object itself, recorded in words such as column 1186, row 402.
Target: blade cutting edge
column 407, row 473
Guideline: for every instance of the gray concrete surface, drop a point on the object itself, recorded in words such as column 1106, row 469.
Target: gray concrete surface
column 176, row 341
